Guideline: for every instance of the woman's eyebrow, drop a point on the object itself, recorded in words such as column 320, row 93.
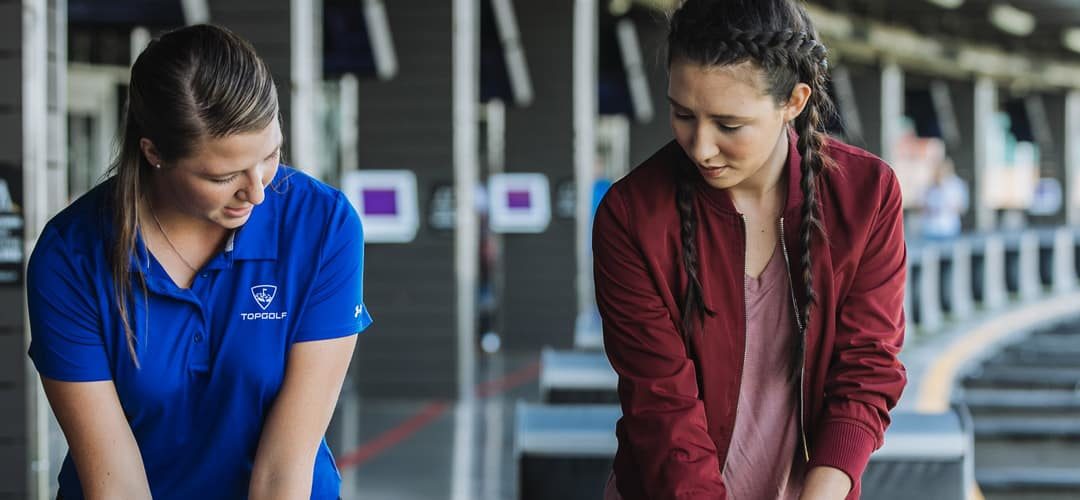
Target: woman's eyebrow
column 715, row 117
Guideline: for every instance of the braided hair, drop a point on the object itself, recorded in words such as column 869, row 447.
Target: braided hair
column 778, row 37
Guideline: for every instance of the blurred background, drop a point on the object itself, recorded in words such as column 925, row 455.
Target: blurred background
column 476, row 137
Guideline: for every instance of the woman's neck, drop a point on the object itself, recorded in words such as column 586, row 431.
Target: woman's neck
column 765, row 189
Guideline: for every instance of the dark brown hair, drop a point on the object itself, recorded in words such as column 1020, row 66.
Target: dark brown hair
column 195, row 83
column 778, row 37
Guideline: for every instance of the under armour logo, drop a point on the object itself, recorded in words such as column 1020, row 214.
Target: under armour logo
column 264, row 295
column 357, row 313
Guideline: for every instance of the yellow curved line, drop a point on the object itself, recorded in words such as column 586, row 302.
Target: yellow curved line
column 935, row 388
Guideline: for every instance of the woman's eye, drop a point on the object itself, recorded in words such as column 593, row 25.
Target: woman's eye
column 225, row 180
column 729, row 128
column 683, row 116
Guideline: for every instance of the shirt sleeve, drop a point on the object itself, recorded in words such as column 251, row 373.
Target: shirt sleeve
column 67, row 342
column 335, row 303
column 663, row 418
column 866, row 378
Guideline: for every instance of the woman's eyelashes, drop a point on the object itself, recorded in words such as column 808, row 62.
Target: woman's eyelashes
column 272, row 159
column 688, row 117
column 226, row 180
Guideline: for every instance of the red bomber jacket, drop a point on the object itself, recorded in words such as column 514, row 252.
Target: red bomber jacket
column 678, row 410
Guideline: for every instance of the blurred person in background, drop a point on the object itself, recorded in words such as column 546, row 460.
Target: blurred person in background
column 194, row 315
column 750, row 275
column 944, row 201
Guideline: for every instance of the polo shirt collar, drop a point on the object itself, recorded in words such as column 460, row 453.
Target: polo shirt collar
column 257, row 239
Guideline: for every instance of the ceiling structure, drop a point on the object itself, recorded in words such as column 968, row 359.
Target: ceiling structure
column 971, row 21
column 1020, row 43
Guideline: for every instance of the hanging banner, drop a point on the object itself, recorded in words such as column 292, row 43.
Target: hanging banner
column 11, row 225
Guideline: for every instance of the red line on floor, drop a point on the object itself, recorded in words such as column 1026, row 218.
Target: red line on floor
column 430, row 413
column 393, row 436
column 510, row 381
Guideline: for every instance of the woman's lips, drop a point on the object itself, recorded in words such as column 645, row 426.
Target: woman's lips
column 712, row 172
column 237, row 212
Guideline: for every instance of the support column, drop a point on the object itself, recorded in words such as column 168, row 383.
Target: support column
column 585, row 111
column 985, row 107
column 975, row 104
column 32, row 188
column 892, row 109
column 879, row 96
column 304, row 85
column 1071, row 142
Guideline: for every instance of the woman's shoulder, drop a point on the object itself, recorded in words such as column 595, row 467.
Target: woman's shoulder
column 307, row 210
column 856, row 166
column 859, row 185
column 84, row 222
column 298, row 193
column 652, row 183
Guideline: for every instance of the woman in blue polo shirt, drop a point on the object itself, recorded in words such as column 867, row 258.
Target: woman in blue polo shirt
column 194, row 315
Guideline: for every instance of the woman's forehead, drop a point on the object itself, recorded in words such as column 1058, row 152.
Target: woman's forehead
column 236, row 151
column 702, row 86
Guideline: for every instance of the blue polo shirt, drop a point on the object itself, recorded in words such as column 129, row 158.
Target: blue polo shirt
column 212, row 356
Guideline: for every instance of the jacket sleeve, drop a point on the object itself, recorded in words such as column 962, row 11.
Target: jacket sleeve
column 663, row 418
column 865, row 378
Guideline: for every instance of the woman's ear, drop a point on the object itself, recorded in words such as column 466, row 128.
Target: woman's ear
column 797, row 101
column 150, row 152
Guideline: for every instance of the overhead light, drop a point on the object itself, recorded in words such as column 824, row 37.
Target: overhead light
column 1071, row 39
column 619, row 8
column 1012, row 20
column 948, row 4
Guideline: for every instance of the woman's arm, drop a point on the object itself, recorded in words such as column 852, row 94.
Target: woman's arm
column 865, row 377
column 298, row 419
column 663, row 417
column 826, row 483
column 99, row 438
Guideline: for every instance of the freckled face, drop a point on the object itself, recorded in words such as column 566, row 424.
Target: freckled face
column 725, row 121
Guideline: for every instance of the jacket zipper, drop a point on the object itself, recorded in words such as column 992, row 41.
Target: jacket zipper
column 802, row 339
column 746, row 318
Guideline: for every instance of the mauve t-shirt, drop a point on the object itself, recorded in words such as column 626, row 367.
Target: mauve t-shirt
column 762, row 462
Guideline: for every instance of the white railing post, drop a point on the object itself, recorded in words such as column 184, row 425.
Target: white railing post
column 994, row 294
column 930, row 289
column 1029, row 281
column 962, row 302
column 1064, row 260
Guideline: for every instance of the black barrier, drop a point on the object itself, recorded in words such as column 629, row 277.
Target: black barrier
column 1012, row 270
column 1046, row 264
column 566, row 452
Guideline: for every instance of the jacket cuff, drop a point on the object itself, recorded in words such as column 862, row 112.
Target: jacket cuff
column 845, row 446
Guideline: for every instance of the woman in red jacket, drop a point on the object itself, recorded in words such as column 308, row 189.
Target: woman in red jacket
column 750, row 275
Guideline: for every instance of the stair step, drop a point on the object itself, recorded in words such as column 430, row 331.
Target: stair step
column 1059, row 427
column 1024, row 377
column 1028, row 479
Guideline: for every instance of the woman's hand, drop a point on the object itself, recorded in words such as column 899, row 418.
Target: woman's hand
column 297, row 421
column 102, row 445
column 826, row 483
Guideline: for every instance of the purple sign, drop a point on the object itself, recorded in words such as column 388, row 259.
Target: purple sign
column 518, row 200
column 380, row 202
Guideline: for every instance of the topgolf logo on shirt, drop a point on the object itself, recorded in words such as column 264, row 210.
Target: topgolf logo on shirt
column 264, row 296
